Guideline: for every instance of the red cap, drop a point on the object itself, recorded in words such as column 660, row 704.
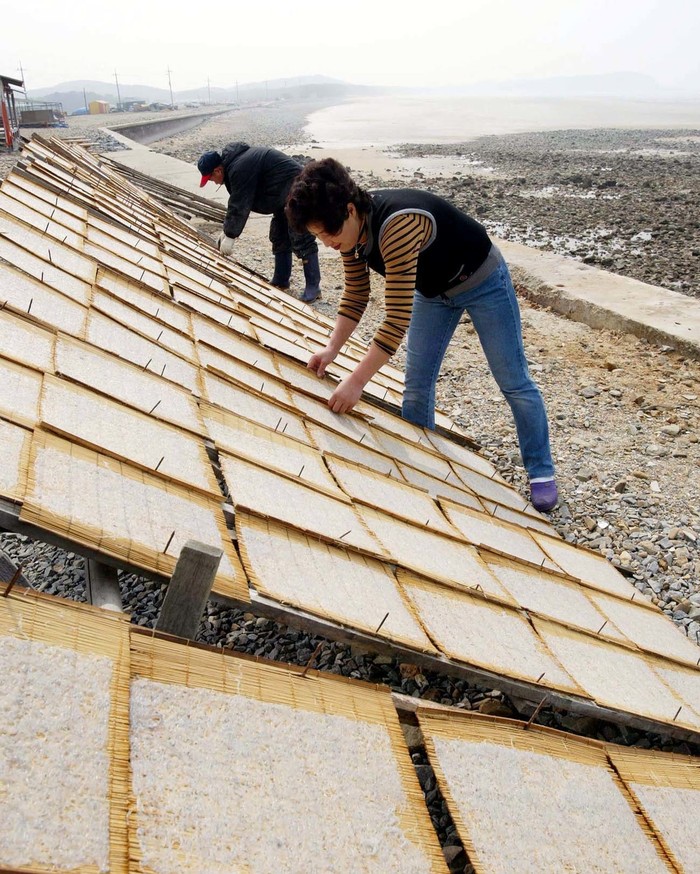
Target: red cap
column 204, row 180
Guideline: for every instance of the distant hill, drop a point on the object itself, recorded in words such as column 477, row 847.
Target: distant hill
column 74, row 95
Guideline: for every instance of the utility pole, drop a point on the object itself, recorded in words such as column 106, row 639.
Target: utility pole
column 119, row 97
column 87, row 108
column 172, row 102
column 24, row 84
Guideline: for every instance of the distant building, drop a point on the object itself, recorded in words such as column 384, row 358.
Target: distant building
column 9, row 117
column 98, row 107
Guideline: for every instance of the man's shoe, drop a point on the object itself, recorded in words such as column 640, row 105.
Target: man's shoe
column 310, row 295
column 283, row 270
column 312, row 276
column 544, row 495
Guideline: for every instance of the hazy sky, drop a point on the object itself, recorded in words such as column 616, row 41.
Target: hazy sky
column 373, row 42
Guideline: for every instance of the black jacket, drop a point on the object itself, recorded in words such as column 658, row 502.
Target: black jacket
column 257, row 179
column 457, row 248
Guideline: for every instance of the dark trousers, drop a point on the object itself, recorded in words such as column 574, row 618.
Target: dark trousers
column 284, row 239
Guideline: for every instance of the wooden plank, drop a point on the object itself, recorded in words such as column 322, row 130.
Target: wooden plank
column 102, row 585
column 517, row 689
column 189, row 589
column 8, row 572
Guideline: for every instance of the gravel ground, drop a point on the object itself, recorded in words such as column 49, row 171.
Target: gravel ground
column 623, row 200
column 624, row 413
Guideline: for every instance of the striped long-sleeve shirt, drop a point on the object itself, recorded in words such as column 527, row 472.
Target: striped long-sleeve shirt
column 400, row 243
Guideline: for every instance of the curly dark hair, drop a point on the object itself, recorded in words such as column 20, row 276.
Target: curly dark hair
column 320, row 195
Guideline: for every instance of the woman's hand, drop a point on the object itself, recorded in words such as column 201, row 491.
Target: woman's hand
column 346, row 395
column 319, row 361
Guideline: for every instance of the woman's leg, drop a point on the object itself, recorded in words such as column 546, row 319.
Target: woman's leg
column 493, row 308
column 433, row 322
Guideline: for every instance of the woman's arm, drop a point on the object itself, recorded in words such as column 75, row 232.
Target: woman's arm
column 351, row 309
column 400, row 246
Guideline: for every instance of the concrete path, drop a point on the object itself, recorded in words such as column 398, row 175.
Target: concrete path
column 583, row 293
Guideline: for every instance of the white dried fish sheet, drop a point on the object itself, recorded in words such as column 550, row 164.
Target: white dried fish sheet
column 199, row 824
column 530, row 812
column 25, row 342
column 120, row 431
column 27, row 294
column 124, row 381
column 54, row 760
column 326, row 581
column 272, row 495
column 110, row 335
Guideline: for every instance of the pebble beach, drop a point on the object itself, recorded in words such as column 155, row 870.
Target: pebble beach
column 624, row 413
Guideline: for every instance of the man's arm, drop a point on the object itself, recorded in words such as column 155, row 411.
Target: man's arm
column 242, row 183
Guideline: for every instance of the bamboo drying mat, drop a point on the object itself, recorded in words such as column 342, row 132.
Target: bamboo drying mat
column 123, row 512
column 86, row 631
column 352, row 425
column 684, row 680
column 498, row 537
column 347, row 448
column 14, row 468
column 109, row 426
column 552, row 596
column 536, row 800
column 121, row 340
column 452, row 488
column 462, row 455
column 445, row 559
column 470, row 629
column 667, row 789
column 19, row 397
column 15, row 188
column 48, row 249
column 13, row 211
column 292, row 502
column 648, row 627
column 24, row 294
column 399, row 499
column 253, row 406
column 45, row 272
column 126, row 313
column 234, row 345
column 589, row 567
column 152, row 303
column 243, row 375
column 490, row 488
column 24, row 342
column 333, row 583
column 527, row 518
column 223, row 328
column 420, row 455
column 267, row 448
column 616, row 676
column 313, row 696
column 123, row 381
column 269, row 337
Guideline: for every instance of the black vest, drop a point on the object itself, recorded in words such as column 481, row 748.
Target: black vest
column 457, row 247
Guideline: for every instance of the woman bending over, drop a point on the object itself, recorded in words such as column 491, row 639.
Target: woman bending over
column 438, row 263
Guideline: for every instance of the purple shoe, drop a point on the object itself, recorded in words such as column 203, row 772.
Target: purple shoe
column 544, row 495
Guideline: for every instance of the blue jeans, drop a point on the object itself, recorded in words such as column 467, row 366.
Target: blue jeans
column 493, row 309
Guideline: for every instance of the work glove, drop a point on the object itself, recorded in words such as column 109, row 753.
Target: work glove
column 225, row 244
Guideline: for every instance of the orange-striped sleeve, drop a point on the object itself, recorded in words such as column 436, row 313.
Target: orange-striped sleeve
column 353, row 303
column 402, row 240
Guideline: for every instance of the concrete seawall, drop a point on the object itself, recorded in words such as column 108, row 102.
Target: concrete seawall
column 146, row 132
